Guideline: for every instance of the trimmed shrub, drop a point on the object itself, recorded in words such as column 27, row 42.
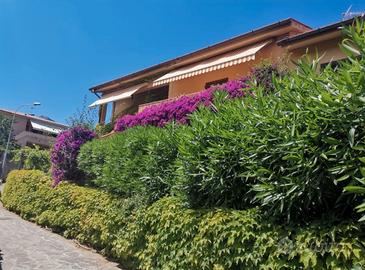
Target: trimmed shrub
column 137, row 161
column 33, row 158
column 167, row 235
column 65, row 151
column 91, row 216
column 178, row 110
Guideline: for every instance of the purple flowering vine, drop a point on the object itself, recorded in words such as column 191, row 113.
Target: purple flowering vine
column 178, row 110
column 65, row 151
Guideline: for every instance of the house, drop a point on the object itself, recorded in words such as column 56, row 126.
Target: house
column 227, row 60
column 191, row 73
column 322, row 42
column 31, row 130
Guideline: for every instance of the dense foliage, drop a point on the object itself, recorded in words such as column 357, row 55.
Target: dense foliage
column 33, row 158
column 352, row 165
column 65, row 151
column 178, row 110
column 137, row 161
column 292, row 152
column 167, row 235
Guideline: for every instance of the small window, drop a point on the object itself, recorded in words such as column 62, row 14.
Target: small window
column 217, row 82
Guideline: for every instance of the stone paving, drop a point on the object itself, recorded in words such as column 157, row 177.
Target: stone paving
column 24, row 245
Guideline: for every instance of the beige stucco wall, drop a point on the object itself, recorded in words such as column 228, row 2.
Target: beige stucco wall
column 327, row 50
column 121, row 106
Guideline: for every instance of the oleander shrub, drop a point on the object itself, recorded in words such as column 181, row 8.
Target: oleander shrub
column 33, row 158
column 65, row 151
column 178, row 110
column 292, row 151
column 137, row 161
column 167, row 235
column 351, row 167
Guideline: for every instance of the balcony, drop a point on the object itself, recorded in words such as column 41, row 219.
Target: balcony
column 29, row 138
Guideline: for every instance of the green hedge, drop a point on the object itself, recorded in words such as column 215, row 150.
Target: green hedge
column 167, row 235
column 89, row 215
column 291, row 152
column 137, row 161
column 33, row 158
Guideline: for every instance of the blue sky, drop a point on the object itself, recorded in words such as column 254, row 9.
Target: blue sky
column 53, row 51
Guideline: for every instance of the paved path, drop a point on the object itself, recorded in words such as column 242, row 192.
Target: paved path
column 24, row 245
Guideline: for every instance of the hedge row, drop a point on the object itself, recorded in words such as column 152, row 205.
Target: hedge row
column 167, row 235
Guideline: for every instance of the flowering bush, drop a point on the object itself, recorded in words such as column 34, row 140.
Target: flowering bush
column 65, row 151
column 263, row 75
column 178, row 110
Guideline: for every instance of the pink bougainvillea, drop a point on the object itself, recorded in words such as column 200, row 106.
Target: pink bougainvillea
column 64, row 153
column 178, row 110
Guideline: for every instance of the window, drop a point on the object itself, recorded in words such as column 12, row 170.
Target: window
column 152, row 95
column 217, row 82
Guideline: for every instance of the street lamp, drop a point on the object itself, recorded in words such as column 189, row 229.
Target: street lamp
column 34, row 104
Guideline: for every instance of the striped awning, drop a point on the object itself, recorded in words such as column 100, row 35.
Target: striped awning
column 226, row 60
column 45, row 128
column 118, row 95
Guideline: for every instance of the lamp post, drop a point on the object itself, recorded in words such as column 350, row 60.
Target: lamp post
column 9, row 135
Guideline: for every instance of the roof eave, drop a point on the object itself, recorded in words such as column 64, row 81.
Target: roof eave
column 159, row 69
column 316, row 32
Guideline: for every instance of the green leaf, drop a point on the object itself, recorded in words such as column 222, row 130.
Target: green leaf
column 355, row 189
column 351, row 136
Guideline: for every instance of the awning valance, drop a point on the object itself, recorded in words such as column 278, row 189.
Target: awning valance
column 45, row 128
column 226, row 60
column 118, row 95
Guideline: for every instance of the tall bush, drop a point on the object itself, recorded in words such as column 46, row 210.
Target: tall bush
column 292, row 151
column 137, row 161
column 351, row 167
column 65, row 151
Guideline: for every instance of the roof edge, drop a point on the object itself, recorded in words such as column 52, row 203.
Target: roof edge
column 36, row 118
column 170, row 62
column 316, row 32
